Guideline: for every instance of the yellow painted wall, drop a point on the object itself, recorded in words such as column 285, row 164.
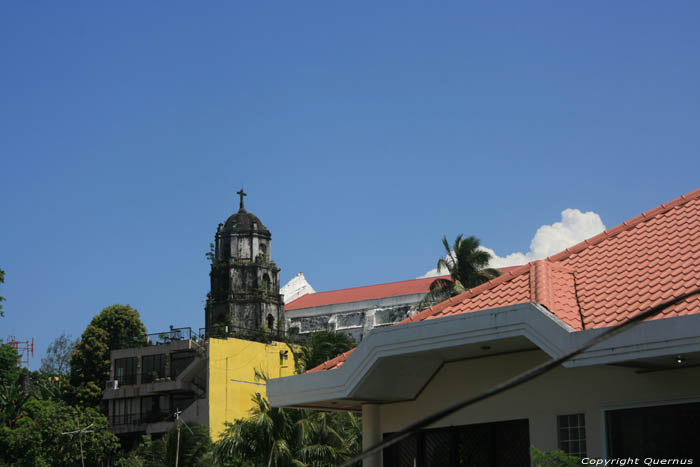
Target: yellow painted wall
column 232, row 384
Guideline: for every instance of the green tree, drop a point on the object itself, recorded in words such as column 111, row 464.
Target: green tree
column 196, row 449
column 552, row 458
column 57, row 359
column 115, row 327
column 42, row 436
column 195, row 446
column 12, row 400
column 9, row 369
column 277, row 437
column 468, row 268
column 320, row 347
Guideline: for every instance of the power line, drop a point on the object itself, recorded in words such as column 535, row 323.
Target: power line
column 519, row 379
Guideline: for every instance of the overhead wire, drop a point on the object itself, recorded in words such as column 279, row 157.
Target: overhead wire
column 522, row 378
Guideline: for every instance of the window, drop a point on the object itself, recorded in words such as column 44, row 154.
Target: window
column 125, row 411
column 179, row 361
column 266, row 282
column 484, row 445
column 153, row 367
column 662, row 431
column 270, row 322
column 154, row 408
column 125, row 370
column 182, row 401
column 572, row 434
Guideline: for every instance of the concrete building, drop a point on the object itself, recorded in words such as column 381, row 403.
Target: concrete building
column 211, row 381
column 635, row 395
column 356, row 311
column 209, row 376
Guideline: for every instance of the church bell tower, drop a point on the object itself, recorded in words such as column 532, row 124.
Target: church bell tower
column 245, row 282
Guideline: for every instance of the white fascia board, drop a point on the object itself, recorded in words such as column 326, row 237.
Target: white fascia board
column 649, row 339
column 525, row 319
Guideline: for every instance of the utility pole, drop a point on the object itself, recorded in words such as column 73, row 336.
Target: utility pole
column 80, row 439
column 178, row 422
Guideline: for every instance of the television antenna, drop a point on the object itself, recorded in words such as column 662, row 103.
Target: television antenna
column 80, row 439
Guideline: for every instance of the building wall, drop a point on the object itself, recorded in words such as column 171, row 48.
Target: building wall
column 355, row 319
column 232, row 384
column 588, row 390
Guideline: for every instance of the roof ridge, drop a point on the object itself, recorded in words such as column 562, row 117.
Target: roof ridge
column 625, row 226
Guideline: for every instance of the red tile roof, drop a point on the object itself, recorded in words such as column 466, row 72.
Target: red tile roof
column 367, row 292
column 603, row 280
column 358, row 294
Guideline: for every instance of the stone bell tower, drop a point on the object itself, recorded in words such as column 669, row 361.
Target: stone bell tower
column 245, row 282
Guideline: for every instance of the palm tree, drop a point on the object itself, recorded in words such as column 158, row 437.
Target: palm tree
column 467, row 265
column 275, row 437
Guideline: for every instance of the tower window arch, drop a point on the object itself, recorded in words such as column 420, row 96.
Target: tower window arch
column 270, row 322
column 266, row 282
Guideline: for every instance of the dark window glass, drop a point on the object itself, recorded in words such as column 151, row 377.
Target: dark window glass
column 125, row 370
column 179, row 361
column 482, row 445
column 665, row 431
column 182, row 401
column 571, row 430
column 152, row 368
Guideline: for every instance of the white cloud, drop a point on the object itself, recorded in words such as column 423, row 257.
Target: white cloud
column 574, row 227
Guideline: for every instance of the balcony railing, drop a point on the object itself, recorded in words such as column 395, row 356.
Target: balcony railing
column 139, row 418
column 158, row 338
column 127, row 419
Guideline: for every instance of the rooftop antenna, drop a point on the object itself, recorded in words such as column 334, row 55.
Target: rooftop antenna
column 80, row 438
column 25, row 349
column 179, row 422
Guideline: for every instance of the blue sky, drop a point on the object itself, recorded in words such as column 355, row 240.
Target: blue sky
column 362, row 132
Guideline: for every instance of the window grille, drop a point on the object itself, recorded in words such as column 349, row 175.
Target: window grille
column 572, row 434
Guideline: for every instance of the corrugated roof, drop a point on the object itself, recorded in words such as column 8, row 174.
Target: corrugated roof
column 604, row 280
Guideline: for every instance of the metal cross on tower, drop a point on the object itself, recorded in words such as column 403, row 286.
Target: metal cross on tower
column 241, row 193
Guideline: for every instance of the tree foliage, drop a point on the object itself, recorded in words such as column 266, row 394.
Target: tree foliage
column 320, row 347
column 196, row 449
column 468, row 268
column 115, row 327
column 58, row 355
column 552, row 458
column 39, row 436
column 9, row 369
column 277, row 437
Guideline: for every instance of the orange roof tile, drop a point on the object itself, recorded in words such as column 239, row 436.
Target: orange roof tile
column 604, row 280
